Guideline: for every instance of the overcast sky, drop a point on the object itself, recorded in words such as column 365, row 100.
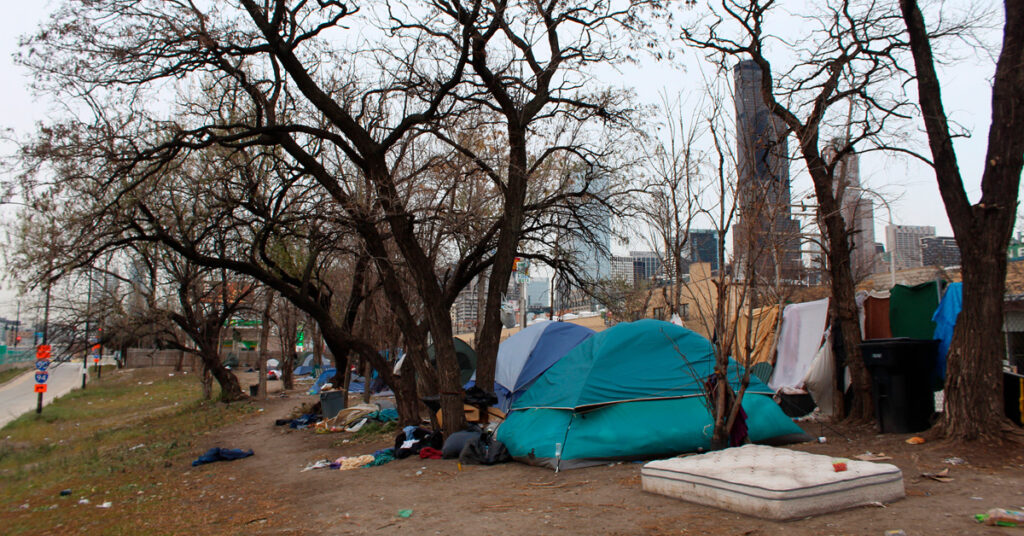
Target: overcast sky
column 910, row 185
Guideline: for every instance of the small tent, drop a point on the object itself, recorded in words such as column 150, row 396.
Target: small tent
column 631, row 392
column 465, row 355
column 307, row 364
column 523, row 357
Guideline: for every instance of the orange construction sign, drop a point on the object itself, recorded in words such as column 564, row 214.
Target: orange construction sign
column 43, row 351
column 40, row 387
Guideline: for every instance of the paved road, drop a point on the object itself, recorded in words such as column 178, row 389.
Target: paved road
column 17, row 397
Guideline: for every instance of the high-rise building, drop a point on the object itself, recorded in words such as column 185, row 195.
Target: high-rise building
column 646, row 266
column 904, row 244
column 857, row 209
column 766, row 232
column 588, row 243
column 701, row 246
column 940, row 251
column 622, row 269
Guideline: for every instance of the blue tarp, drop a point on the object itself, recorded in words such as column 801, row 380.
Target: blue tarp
column 945, row 322
column 523, row 357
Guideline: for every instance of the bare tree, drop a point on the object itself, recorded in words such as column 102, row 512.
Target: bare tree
column 849, row 51
column 973, row 402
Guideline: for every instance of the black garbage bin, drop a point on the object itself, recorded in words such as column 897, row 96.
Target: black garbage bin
column 331, row 402
column 1013, row 397
column 901, row 382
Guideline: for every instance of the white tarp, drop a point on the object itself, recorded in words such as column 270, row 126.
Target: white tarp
column 800, row 337
column 820, row 378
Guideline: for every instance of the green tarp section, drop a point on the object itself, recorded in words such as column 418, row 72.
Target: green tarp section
column 630, row 392
column 911, row 310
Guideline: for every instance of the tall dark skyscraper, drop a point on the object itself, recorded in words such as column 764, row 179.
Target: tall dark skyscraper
column 766, row 233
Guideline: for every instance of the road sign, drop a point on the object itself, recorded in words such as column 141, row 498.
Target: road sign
column 41, row 377
column 40, row 387
column 43, row 351
column 42, row 364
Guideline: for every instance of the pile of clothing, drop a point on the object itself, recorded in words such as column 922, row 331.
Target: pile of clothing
column 412, row 439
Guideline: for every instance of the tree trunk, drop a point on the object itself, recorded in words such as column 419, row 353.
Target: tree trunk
column 261, row 356
column 206, row 381
column 230, row 390
column 974, row 385
column 367, row 373
column 973, row 401
column 842, row 285
column 504, row 255
column 406, row 401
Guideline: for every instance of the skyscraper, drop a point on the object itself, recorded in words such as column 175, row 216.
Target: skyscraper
column 904, row 244
column 857, row 209
column 766, row 232
column 701, row 246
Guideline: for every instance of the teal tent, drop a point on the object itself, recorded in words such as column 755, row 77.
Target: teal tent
column 465, row 355
column 631, row 392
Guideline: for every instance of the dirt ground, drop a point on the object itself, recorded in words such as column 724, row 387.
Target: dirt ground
column 268, row 494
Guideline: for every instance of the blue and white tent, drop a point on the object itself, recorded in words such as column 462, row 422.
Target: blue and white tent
column 523, row 357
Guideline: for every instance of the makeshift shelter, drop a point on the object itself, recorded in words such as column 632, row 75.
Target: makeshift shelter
column 803, row 325
column 523, row 357
column 762, row 322
column 465, row 355
column 911, row 310
column 308, row 362
column 634, row 391
column 874, row 314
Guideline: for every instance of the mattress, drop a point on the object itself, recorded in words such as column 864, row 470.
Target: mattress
column 771, row 482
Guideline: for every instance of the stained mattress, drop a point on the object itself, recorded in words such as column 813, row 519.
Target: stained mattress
column 772, row 483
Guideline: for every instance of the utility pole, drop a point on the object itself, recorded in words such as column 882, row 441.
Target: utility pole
column 88, row 315
column 46, row 341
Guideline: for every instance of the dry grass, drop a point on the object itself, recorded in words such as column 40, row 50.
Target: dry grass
column 113, row 442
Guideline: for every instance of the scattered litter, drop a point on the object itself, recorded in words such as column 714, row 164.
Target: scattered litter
column 419, row 473
column 319, row 464
column 83, row 501
column 916, row 440
column 872, row 457
column 839, row 464
column 139, row 446
column 170, row 374
column 1001, row 517
column 65, row 492
column 107, row 504
column 24, row 506
column 977, row 498
column 941, row 476
column 821, row 439
column 955, row 460
column 897, row 532
column 405, row 513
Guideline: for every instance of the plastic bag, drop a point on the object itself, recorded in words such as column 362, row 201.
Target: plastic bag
column 1002, row 517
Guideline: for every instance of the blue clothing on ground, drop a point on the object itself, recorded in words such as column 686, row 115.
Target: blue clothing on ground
column 217, row 454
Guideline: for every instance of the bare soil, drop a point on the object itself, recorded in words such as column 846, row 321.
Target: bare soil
column 268, row 493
